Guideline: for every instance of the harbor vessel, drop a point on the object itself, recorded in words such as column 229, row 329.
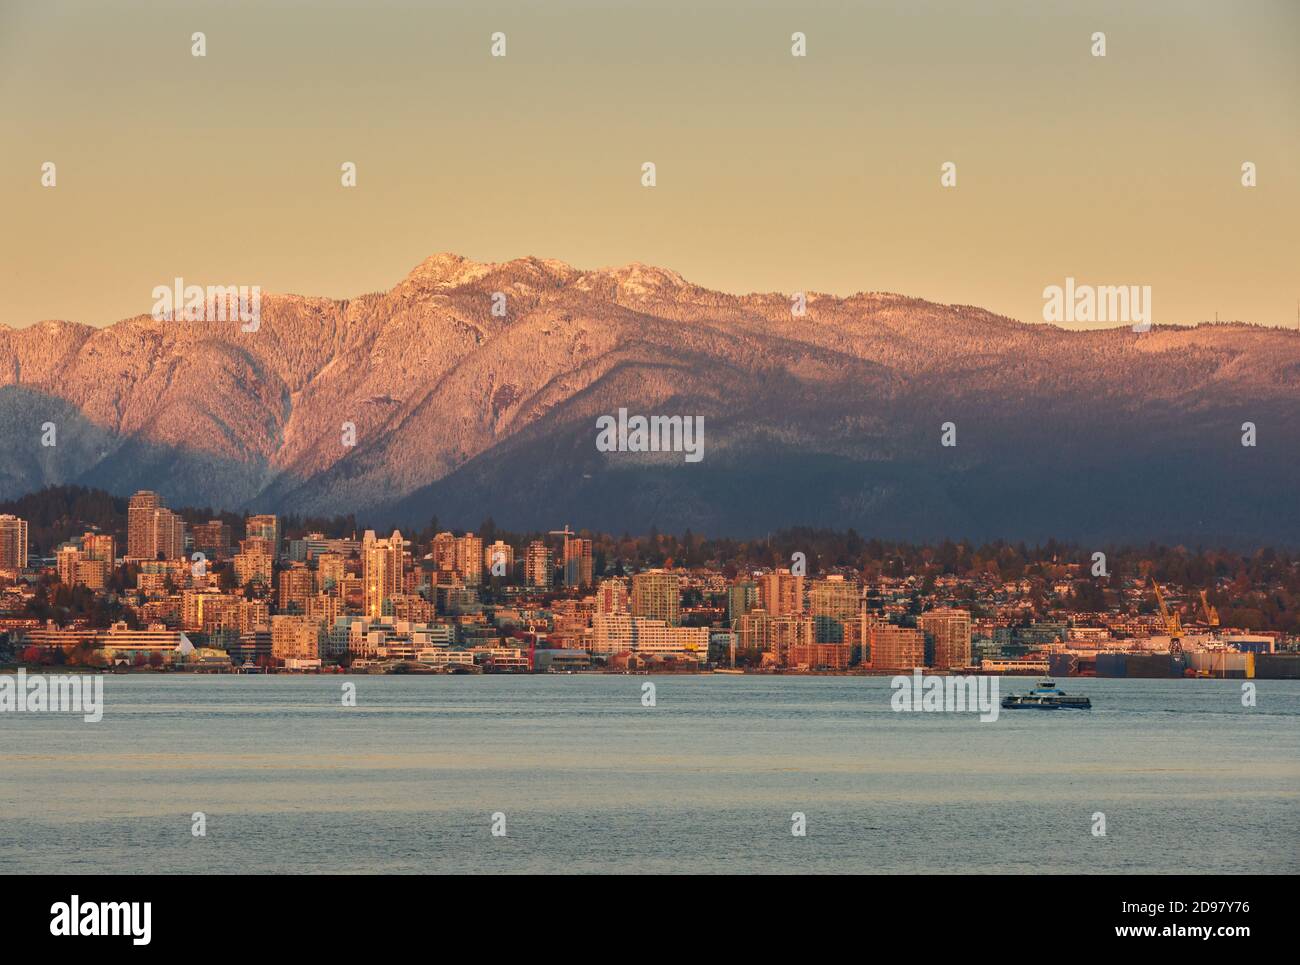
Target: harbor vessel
column 1046, row 696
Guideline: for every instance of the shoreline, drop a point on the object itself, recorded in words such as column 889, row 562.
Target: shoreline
column 969, row 672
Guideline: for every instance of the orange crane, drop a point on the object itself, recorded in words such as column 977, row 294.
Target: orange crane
column 1173, row 622
column 1211, row 613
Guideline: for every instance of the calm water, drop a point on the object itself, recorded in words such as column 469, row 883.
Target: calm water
column 590, row 780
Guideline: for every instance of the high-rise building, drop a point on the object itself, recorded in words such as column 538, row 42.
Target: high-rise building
column 330, row 568
column 253, row 567
column 140, row 512
column 99, row 546
column 781, row 593
column 13, row 543
column 66, row 558
column 265, row 526
column 656, row 595
column 742, row 596
column 323, row 608
column 833, row 603
column 213, row 539
column 78, row 568
column 295, row 588
column 469, row 559
column 151, row 530
column 777, row 635
column 93, row 574
column 538, row 566
column 951, row 631
column 612, row 596
column 896, row 648
column 382, row 570
column 499, row 559
column 833, row 597
column 257, row 544
column 461, row 555
column 443, row 552
column 577, row 562
column 169, row 536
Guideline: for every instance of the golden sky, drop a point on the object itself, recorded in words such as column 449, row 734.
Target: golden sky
column 775, row 173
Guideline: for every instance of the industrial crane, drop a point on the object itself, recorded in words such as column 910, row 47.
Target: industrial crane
column 1173, row 622
column 1211, row 613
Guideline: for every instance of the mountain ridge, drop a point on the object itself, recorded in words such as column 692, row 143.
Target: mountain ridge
column 456, row 406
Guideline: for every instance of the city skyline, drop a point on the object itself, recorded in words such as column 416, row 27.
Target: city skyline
column 304, row 601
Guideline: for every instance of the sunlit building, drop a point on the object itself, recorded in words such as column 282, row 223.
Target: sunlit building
column 950, row 631
column 382, row 563
column 538, row 566
column 656, row 595
column 896, row 648
column 13, row 543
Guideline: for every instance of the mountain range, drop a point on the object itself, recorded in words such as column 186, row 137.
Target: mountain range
column 830, row 418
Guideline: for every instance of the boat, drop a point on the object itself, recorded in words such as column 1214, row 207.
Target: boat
column 1046, row 696
column 728, row 670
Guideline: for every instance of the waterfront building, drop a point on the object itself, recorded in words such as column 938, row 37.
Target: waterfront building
column 619, row 632
column 776, row 635
column 295, row 637
column 950, row 633
column 895, row 648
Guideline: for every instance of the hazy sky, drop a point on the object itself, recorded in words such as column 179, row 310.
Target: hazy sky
column 775, row 173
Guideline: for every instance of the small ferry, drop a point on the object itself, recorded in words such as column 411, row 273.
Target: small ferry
column 1046, row 696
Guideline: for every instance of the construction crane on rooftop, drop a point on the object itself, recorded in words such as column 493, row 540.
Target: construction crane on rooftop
column 566, row 533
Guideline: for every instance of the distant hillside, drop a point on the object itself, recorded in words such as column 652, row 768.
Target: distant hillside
column 831, row 419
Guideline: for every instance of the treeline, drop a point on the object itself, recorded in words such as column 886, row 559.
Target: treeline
column 57, row 513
